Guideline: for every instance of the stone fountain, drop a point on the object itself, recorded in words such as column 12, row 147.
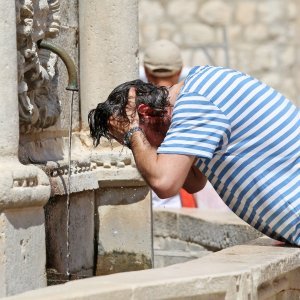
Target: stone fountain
column 104, row 225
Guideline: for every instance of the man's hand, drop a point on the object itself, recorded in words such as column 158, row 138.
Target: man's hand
column 118, row 126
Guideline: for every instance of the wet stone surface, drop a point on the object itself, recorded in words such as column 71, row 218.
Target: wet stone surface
column 116, row 262
column 54, row 277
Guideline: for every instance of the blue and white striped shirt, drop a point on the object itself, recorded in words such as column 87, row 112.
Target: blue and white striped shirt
column 246, row 138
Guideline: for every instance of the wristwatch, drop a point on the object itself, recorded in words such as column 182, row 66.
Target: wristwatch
column 128, row 135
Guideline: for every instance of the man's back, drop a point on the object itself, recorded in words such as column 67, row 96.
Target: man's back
column 246, row 136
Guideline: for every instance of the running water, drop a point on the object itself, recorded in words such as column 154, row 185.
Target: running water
column 69, row 185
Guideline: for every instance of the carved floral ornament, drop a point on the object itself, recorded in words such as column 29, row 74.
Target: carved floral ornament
column 39, row 106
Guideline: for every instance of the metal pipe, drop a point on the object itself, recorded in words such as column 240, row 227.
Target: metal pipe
column 72, row 73
column 72, row 86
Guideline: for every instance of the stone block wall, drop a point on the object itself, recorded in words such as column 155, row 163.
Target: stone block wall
column 259, row 37
column 79, row 262
column 123, row 230
column 22, row 235
column 185, row 234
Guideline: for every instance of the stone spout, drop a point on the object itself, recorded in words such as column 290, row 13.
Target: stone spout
column 72, row 73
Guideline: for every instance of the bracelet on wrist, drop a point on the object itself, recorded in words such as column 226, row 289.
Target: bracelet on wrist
column 128, row 135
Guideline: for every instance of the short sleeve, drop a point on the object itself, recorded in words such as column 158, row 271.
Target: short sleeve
column 198, row 128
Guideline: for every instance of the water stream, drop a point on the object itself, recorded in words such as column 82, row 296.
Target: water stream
column 69, row 184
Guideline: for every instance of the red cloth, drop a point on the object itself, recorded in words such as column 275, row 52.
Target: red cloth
column 187, row 200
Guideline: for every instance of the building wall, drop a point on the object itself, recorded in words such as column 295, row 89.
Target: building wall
column 259, row 37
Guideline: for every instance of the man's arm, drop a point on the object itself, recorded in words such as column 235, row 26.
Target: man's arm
column 164, row 173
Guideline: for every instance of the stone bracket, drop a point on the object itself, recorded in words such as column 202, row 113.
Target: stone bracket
column 22, row 186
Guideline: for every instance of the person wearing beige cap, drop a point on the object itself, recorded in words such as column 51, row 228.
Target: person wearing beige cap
column 163, row 63
column 163, row 66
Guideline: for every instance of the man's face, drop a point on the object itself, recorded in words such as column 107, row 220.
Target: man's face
column 156, row 127
column 162, row 81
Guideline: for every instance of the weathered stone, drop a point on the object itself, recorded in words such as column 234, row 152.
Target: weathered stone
column 182, row 10
column 109, row 48
column 23, row 189
column 150, row 33
column 264, row 269
column 251, row 22
column 116, row 262
column 270, row 12
column 215, row 13
column 39, row 106
column 288, row 56
column 291, row 10
column 235, row 33
column 168, row 251
column 214, row 231
column 245, row 12
column 200, row 58
column 187, row 57
column 195, row 34
column 123, row 229
column 167, row 29
column 265, row 58
column 256, row 33
column 151, row 11
column 22, row 250
column 79, row 233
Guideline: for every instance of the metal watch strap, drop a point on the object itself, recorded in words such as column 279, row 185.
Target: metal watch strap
column 128, row 135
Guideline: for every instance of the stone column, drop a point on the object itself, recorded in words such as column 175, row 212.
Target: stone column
column 23, row 189
column 108, row 49
column 108, row 57
column 8, row 79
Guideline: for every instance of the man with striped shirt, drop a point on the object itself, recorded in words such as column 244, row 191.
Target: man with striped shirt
column 221, row 125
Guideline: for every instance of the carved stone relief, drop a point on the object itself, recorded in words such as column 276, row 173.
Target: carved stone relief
column 39, row 106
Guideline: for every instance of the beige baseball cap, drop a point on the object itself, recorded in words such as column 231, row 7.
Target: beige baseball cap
column 163, row 58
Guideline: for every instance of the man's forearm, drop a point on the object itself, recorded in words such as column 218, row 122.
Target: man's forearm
column 145, row 157
column 164, row 173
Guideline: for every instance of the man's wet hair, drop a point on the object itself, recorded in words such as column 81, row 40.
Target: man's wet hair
column 146, row 93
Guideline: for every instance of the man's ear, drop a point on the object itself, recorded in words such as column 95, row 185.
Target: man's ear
column 144, row 110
